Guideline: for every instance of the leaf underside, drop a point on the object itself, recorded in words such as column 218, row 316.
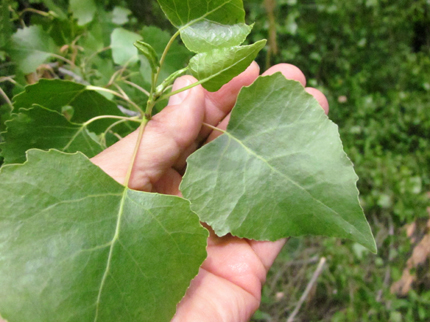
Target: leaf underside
column 84, row 248
column 55, row 94
column 278, row 171
column 44, row 129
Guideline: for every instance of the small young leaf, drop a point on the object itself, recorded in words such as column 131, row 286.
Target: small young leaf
column 55, row 94
column 83, row 10
column 205, row 25
column 78, row 246
column 123, row 51
column 31, row 47
column 149, row 53
column 44, row 129
column 278, row 171
column 177, row 57
column 220, row 66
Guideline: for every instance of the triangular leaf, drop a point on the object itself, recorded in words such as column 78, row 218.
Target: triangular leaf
column 219, row 66
column 77, row 246
column 44, row 129
column 31, row 47
column 205, row 25
column 278, row 171
column 55, row 94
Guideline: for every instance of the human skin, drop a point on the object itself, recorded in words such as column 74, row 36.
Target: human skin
column 228, row 285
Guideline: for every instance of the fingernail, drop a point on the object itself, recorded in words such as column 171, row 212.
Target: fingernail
column 180, row 97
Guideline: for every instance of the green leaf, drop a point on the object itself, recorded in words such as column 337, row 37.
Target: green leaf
column 205, row 25
column 123, row 51
column 206, row 36
column 5, row 111
column 219, row 66
column 83, row 10
column 44, row 129
column 55, row 94
column 5, row 23
column 77, row 246
column 278, row 171
column 120, row 15
column 149, row 53
column 31, row 47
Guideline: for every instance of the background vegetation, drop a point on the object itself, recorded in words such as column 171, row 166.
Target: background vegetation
column 371, row 58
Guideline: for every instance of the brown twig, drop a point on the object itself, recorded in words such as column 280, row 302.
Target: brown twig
column 311, row 283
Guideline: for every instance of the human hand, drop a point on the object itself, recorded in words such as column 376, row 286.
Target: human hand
column 228, row 286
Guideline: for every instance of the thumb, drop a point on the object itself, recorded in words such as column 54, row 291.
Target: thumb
column 167, row 136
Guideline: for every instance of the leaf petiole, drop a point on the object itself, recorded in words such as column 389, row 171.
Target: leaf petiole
column 102, row 89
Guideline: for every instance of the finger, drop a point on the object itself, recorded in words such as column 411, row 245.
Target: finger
column 220, row 103
column 217, row 105
column 167, row 135
column 320, row 97
column 289, row 71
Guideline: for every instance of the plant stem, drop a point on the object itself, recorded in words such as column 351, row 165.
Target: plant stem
column 144, row 91
column 314, row 278
column 214, row 127
column 102, row 89
column 166, row 96
column 3, row 94
column 101, row 117
column 63, row 59
column 135, row 152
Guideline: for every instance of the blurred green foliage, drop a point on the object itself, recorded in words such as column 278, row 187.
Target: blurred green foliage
column 372, row 60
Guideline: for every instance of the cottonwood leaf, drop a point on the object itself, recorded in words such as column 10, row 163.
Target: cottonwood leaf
column 55, row 94
column 219, row 66
column 208, row 24
column 123, row 51
column 120, row 15
column 279, row 170
column 83, row 10
column 78, row 246
column 31, row 47
column 205, row 36
column 44, row 129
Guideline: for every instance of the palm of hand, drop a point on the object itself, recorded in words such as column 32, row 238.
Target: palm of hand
column 228, row 285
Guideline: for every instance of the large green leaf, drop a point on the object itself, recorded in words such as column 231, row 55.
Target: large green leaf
column 44, row 129
column 31, row 47
column 208, row 24
column 219, row 66
column 278, row 171
column 55, row 94
column 77, row 246
column 83, row 10
column 123, row 51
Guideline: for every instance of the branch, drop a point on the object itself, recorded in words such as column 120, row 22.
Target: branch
column 311, row 283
